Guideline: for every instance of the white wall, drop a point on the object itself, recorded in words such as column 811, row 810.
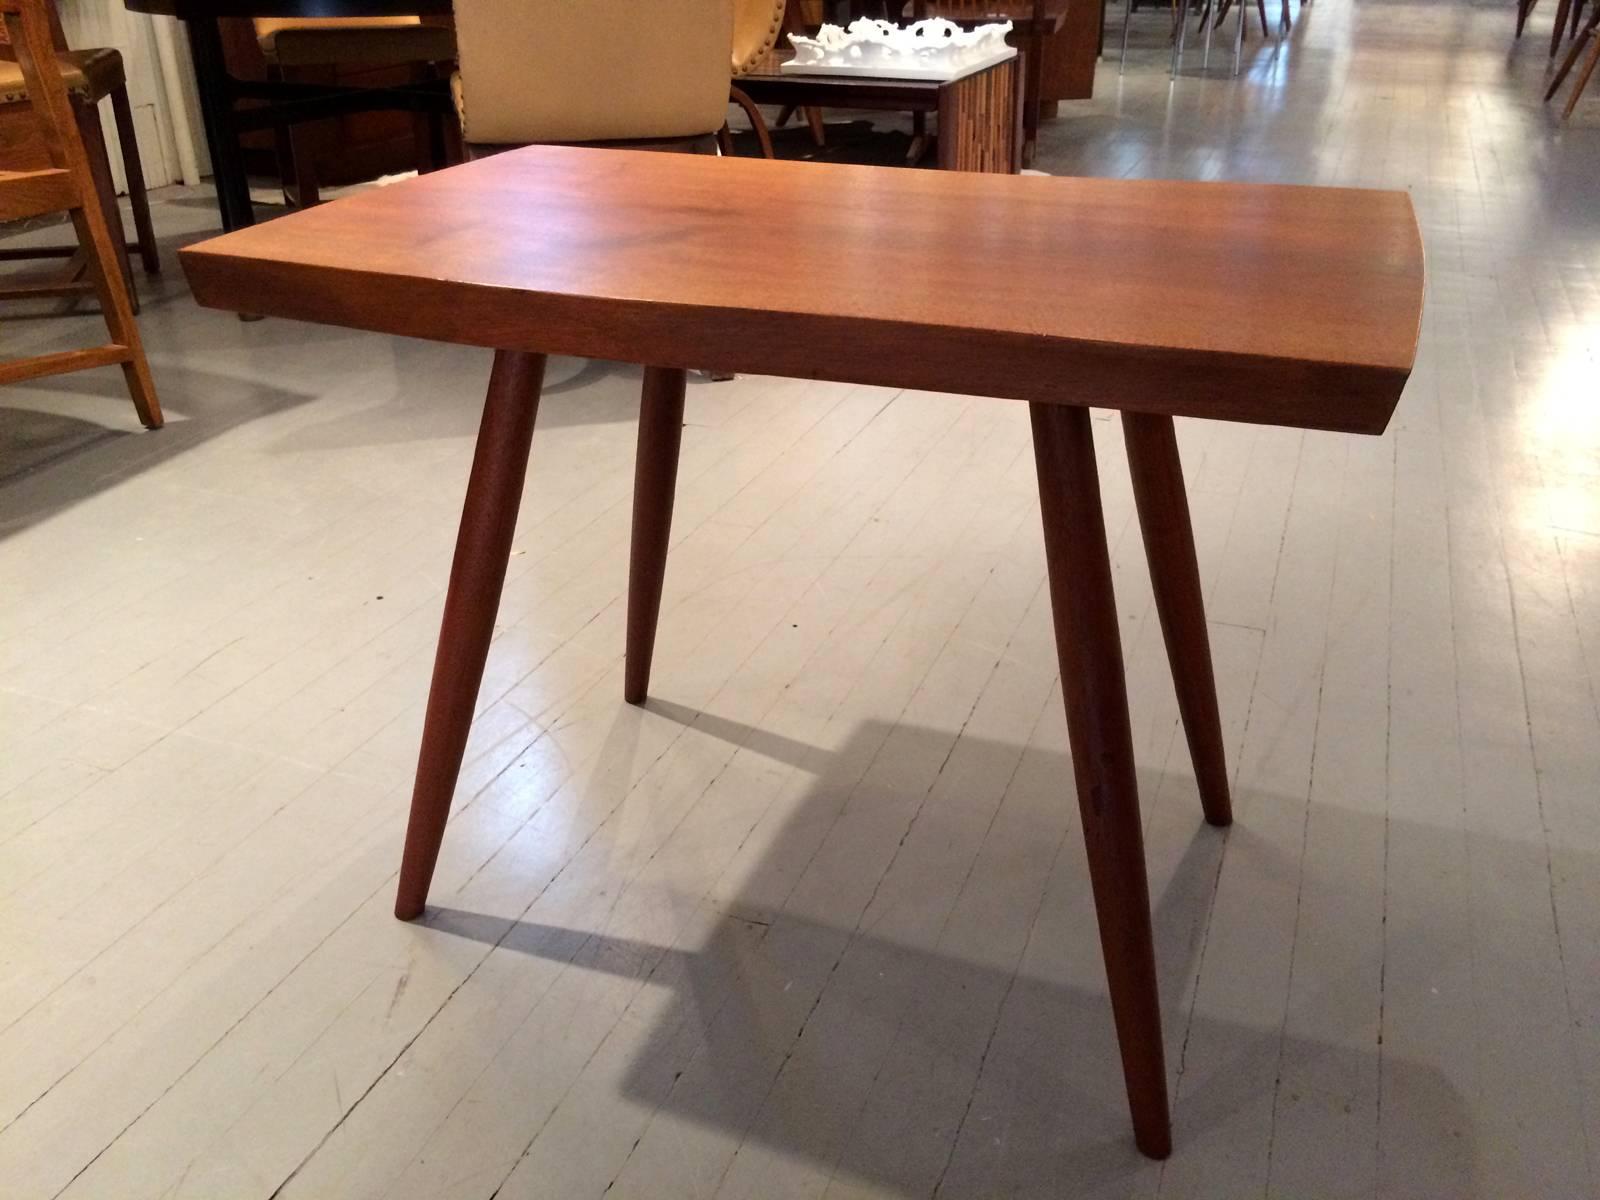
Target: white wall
column 166, row 114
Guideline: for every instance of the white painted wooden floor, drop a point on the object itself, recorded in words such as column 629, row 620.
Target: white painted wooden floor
column 816, row 922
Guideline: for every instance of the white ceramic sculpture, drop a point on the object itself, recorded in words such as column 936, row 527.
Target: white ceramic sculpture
column 933, row 49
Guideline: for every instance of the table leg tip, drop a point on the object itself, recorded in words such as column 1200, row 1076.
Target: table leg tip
column 406, row 909
column 1156, row 1145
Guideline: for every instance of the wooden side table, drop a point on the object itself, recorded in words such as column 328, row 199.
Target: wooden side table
column 1302, row 309
column 980, row 115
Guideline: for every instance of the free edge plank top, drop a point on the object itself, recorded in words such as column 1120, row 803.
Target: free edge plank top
column 1274, row 304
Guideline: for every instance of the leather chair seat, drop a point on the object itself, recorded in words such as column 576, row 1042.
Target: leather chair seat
column 368, row 42
column 93, row 74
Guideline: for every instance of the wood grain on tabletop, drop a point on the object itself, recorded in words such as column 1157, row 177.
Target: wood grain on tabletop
column 1285, row 305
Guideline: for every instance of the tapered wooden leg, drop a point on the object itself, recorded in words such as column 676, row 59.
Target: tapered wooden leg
column 488, row 519
column 1175, row 576
column 1090, row 651
column 1583, row 75
column 654, row 479
column 133, row 171
column 1572, row 58
column 1560, row 28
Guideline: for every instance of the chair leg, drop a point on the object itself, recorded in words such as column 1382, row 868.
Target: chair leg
column 655, row 480
column 1572, row 57
column 1238, row 38
column 1563, row 9
column 94, row 143
column 1089, row 646
column 110, row 285
column 133, row 170
column 431, row 129
column 757, row 121
column 483, row 546
column 1583, row 76
column 1261, row 10
column 297, row 172
column 1180, row 34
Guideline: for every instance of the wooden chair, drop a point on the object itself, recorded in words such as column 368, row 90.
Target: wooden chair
column 305, row 49
column 551, row 71
column 67, row 184
column 89, row 77
column 1590, row 37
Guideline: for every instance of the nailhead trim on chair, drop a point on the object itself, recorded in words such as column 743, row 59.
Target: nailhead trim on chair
column 767, row 43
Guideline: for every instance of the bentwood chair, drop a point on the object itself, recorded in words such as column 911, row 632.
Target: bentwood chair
column 89, row 77
column 653, row 75
column 307, row 49
column 756, row 26
column 65, row 182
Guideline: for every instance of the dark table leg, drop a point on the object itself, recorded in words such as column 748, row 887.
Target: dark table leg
column 1089, row 646
column 655, row 479
column 216, row 109
column 1163, row 506
column 488, row 519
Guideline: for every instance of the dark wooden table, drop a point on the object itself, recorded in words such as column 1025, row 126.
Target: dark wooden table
column 1279, row 305
column 280, row 103
column 980, row 115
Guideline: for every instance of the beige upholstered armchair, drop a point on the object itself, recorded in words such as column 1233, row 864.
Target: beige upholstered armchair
column 625, row 71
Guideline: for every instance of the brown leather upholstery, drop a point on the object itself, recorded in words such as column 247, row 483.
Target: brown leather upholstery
column 756, row 26
column 363, row 41
column 602, row 70
column 91, row 73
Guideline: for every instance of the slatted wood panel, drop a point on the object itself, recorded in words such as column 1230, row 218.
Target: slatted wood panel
column 980, row 121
